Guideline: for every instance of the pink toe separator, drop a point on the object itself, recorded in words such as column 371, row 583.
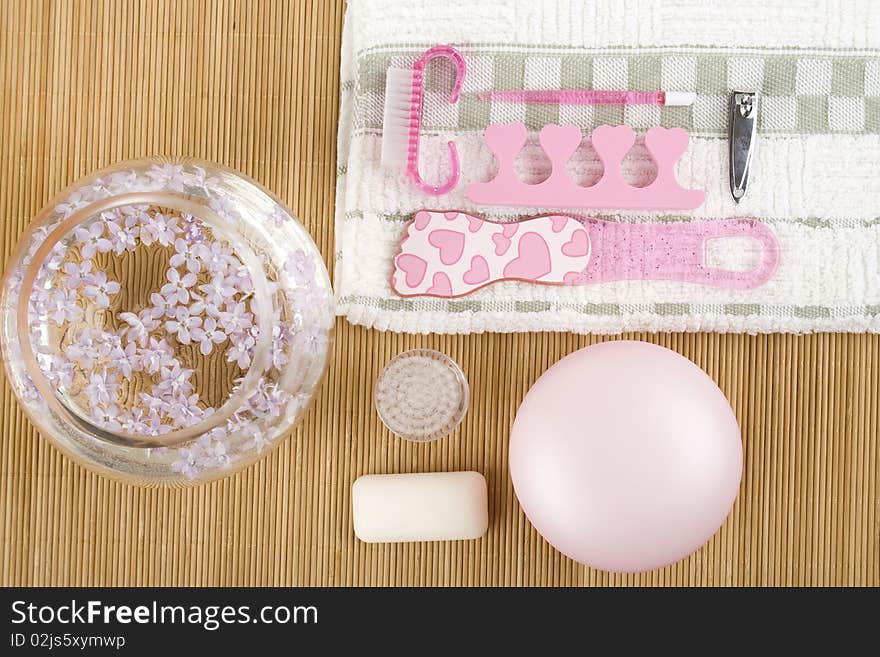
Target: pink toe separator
column 415, row 118
column 611, row 143
column 449, row 254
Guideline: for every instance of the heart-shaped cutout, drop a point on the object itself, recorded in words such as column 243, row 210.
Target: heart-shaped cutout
column 441, row 286
column 502, row 243
column 474, row 224
column 421, row 219
column 578, row 245
column 558, row 222
column 450, row 243
column 479, row 271
column 532, row 261
column 413, row 267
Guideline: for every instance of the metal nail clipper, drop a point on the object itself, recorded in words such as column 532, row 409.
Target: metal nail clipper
column 741, row 135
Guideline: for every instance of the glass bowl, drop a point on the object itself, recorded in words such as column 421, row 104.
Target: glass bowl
column 165, row 321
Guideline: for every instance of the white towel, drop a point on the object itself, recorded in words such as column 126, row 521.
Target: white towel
column 815, row 179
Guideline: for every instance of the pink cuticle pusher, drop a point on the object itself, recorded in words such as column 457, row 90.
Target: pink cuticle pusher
column 450, row 254
column 589, row 97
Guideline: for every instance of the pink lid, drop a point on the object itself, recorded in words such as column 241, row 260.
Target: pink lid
column 626, row 456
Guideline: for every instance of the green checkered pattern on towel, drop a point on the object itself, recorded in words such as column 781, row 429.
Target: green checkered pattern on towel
column 835, row 92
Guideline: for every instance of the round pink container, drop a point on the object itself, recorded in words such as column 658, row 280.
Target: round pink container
column 626, row 456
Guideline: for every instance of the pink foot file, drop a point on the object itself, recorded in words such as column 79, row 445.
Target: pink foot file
column 559, row 142
column 449, row 254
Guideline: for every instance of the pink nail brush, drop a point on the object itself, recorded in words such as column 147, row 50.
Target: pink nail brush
column 402, row 120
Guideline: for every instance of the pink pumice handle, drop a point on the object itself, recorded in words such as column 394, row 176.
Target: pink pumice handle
column 415, row 118
column 666, row 146
column 450, row 254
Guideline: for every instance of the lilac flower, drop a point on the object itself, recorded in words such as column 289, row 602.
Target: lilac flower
column 177, row 287
column 236, row 318
column 74, row 201
column 78, row 274
column 91, row 240
column 155, row 405
column 185, row 409
column 173, row 382
column 157, row 355
column 268, row 400
column 84, row 350
column 278, row 216
column 135, row 215
column 59, row 371
column 122, row 180
column 254, row 438
column 36, row 312
column 55, row 258
column 139, row 326
column 100, row 289
column 42, row 290
column 217, row 292
column 198, row 306
column 101, row 389
column 124, row 236
column 28, row 390
column 106, row 342
column 282, row 334
column 241, row 351
column 217, row 434
column 239, row 277
column 306, row 298
column 135, row 421
column 37, row 240
column 40, row 299
column 226, row 208
column 193, row 229
column 98, row 189
column 208, row 335
column 188, row 253
column 159, row 429
column 186, row 462
column 125, row 360
column 161, row 307
column 160, row 228
column 217, row 258
column 168, row 175
column 213, row 450
column 183, row 324
column 200, row 178
column 108, row 417
column 301, row 267
column 312, row 339
column 61, row 306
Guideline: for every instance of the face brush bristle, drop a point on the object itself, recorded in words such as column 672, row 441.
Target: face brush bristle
column 401, row 122
column 398, row 117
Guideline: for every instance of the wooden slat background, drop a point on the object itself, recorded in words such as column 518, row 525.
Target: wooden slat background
column 254, row 85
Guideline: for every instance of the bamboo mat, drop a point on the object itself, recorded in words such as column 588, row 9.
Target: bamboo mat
column 254, row 85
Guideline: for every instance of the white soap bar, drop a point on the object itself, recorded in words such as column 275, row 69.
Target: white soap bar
column 433, row 506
